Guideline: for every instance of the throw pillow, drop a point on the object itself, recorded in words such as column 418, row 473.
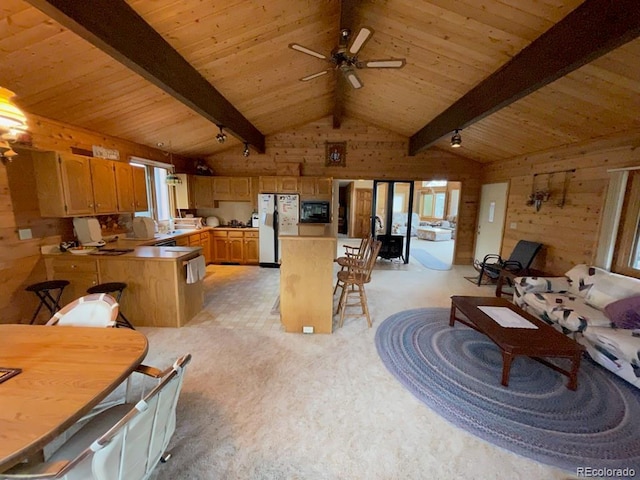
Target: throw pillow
column 624, row 313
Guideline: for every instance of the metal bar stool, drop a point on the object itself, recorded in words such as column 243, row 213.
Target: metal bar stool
column 115, row 290
column 49, row 293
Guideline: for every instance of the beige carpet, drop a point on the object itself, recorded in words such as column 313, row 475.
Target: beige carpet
column 261, row 404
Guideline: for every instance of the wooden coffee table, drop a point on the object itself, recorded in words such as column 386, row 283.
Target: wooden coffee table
column 545, row 341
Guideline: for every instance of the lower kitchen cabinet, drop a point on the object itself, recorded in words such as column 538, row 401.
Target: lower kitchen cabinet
column 251, row 248
column 235, row 246
column 81, row 272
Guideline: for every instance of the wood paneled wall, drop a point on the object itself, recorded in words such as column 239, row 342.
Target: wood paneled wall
column 569, row 232
column 372, row 153
column 20, row 260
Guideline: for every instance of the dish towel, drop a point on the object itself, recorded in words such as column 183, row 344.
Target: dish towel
column 196, row 269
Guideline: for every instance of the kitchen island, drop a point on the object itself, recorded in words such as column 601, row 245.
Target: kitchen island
column 306, row 283
column 157, row 293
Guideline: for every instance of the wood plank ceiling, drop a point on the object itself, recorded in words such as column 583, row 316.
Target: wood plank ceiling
column 241, row 49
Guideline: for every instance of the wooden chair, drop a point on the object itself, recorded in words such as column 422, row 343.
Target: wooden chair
column 352, row 281
column 124, row 442
column 353, row 254
column 94, row 310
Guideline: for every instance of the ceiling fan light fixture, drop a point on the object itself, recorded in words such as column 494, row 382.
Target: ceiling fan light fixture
column 308, row 51
column 456, row 139
column 352, row 78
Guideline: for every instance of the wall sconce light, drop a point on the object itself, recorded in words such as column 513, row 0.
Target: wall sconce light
column 246, row 152
column 221, row 137
column 12, row 123
column 456, row 139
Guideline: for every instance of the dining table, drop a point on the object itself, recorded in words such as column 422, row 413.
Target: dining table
column 64, row 373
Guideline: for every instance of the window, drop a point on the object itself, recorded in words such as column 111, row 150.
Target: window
column 626, row 257
column 160, row 199
column 432, row 205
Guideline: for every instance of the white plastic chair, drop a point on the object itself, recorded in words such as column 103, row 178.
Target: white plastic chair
column 94, row 310
column 127, row 447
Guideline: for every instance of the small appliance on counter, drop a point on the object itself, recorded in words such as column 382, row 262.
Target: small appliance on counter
column 143, row 227
column 213, row 222
column 255, row 220
column 88, row 231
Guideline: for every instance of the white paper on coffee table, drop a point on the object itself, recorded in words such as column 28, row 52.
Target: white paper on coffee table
column 505, row 317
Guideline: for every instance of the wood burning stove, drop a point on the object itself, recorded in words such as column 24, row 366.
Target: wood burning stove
column 392, row 246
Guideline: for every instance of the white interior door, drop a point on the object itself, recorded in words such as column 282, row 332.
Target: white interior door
column 493, row 207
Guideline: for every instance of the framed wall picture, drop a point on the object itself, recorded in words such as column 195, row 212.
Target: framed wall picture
column 336, row 154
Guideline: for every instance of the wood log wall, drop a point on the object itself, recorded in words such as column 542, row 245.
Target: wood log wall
column 569, row 232
column 372, row 153
column 20, row 260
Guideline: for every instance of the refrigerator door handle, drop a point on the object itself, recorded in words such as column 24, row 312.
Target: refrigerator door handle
column 275, row 234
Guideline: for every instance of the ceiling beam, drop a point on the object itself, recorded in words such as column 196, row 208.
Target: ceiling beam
column 593, row 29
column 115, row 28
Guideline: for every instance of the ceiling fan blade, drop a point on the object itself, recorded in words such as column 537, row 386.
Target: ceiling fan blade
column 388, row 63
column 306, row 50
column 352, row 79
column 315, row 75
column 359, row 40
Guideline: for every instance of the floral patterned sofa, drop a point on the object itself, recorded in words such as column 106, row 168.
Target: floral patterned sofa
column 600, row 309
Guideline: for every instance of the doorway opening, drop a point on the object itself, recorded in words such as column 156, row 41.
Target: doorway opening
column 408, row 215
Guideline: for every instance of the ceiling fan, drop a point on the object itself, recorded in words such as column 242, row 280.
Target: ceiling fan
column 345, row 57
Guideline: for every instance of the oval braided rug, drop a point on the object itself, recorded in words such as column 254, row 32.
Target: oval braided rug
column 456, row 371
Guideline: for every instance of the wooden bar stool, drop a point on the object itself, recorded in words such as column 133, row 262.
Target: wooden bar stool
column 114, row 289
column 49, row 293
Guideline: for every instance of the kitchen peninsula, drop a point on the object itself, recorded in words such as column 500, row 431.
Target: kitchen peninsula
column 306, row 283
column 157, row 293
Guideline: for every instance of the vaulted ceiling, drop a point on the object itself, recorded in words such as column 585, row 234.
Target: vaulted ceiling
column 99, row 66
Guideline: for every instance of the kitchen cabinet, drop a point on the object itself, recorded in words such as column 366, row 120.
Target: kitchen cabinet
column 81, row 272
column 73, row 185
column 202, row 191
column 305, row 186
column 315, row 186
column 124, row 183
column 251, row 248
column 235, row 246
column 201, row 240
column 236, row 189
column 103, row 181
column 184, row 192
column 64, row 184
column 131, row 187
column 278, row 184
column 140, row 189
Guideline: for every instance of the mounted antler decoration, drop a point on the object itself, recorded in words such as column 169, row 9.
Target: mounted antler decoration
column 540, row 195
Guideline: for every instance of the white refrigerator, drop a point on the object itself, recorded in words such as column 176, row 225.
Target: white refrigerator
column 279, row 215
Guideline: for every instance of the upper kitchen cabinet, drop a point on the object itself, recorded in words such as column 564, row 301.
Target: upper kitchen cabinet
column 66, row 187
column 315, row 186
column 131, row 188
column 202, row 191
column 184, row 192
column 124, row 182
column 104, row 186
column 140, row 189
column 278, row 184
column 236, row 189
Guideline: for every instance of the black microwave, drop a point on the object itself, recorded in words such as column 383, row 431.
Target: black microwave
column 315, row 212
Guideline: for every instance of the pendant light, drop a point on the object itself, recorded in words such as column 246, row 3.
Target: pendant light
column 171, row 179
column 11, row 117
column 456, row 139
